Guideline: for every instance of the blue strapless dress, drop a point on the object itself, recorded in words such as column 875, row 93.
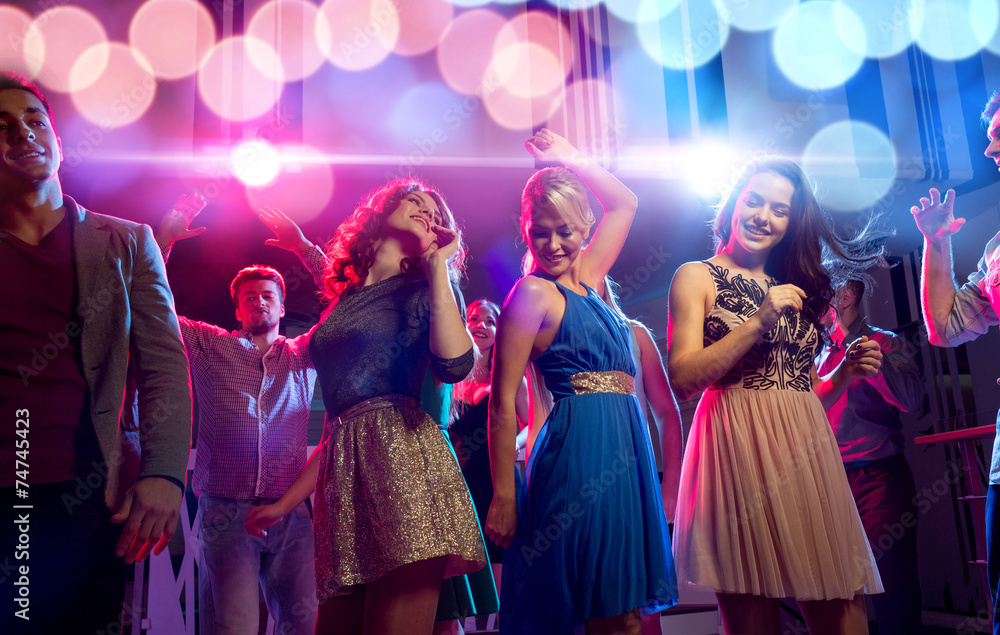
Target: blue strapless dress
column 593, row 539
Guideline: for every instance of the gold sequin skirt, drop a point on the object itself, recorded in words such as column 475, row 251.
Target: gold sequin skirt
column 389, row 492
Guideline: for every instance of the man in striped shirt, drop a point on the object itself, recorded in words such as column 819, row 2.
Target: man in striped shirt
column 254, row 389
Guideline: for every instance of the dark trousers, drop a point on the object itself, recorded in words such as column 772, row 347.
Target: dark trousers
column 884, row 493
column 69, row 581
column 992, row 546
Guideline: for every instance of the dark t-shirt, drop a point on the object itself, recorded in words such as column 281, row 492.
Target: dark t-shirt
column 40, row 371
column 375, row 342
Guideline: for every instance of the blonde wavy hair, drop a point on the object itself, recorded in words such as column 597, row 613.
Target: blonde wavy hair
column 560, row 191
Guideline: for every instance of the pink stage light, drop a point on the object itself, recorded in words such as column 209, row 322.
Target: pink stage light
column 231, row 83
column 14, row 23
column 120, row 93
column 422, row 25
column 173, row 35
column 466, row 50
column 357, row 34
column 302, row 188
column 56, row 40
column 289, row 27
column 255, row 163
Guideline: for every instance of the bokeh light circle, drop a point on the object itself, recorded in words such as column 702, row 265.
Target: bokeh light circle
column 14, row 24
column 574, row 5
column 466, row 49
column 540, row 30
column 173, row 35
column 527, row 69
column 885, row 26
column 422, row 25
column 854, row 164
column 56, row 40
column 357, row 34
column 301, row 188
column 810, row 53
column 954, row 29
column 636, row 10
column 427, row 113
column 755, row 16
column 682, row 44
column 232, row 86
column 288, row 28
column 120, row 94
column 520, row 113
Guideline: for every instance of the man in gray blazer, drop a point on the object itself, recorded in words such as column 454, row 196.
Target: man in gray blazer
column 86, row 305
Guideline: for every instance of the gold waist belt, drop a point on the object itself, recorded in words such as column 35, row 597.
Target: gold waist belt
column 607, row 381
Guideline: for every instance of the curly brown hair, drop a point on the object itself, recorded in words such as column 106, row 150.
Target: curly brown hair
column 811, row 256
column 352, row 248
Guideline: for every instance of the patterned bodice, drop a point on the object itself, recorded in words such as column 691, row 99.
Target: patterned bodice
column 782, row 359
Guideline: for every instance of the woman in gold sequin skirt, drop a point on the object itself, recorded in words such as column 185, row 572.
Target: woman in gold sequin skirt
column 393, row 517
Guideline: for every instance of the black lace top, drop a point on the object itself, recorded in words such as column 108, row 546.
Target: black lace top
column 782, row 359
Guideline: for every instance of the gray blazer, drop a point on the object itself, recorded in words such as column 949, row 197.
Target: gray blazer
column 129, row 330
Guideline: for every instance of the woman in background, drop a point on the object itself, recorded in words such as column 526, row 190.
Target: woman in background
column 659, row 408
column 764, row 509
column 469, row 434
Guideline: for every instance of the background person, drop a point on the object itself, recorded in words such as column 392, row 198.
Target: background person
column 865, row 420
column 254, row 390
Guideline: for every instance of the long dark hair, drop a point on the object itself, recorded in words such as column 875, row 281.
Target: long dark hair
column 811, row 256
column 352, row 248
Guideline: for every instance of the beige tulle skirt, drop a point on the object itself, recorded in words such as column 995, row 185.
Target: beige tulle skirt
column 764, row 506
column 389, row 492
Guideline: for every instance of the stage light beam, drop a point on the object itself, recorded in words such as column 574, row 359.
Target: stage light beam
column 255, row 163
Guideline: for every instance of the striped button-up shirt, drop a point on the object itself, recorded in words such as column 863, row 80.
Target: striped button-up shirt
column 253, row 410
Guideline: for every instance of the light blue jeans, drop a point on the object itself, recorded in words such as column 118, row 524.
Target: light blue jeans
column 232, row 564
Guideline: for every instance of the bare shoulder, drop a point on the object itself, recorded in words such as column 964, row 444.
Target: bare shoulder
column 532, row 288
column 530, row 295
column 692, row 278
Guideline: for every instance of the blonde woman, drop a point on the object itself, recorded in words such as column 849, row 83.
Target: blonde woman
column 596, row 550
